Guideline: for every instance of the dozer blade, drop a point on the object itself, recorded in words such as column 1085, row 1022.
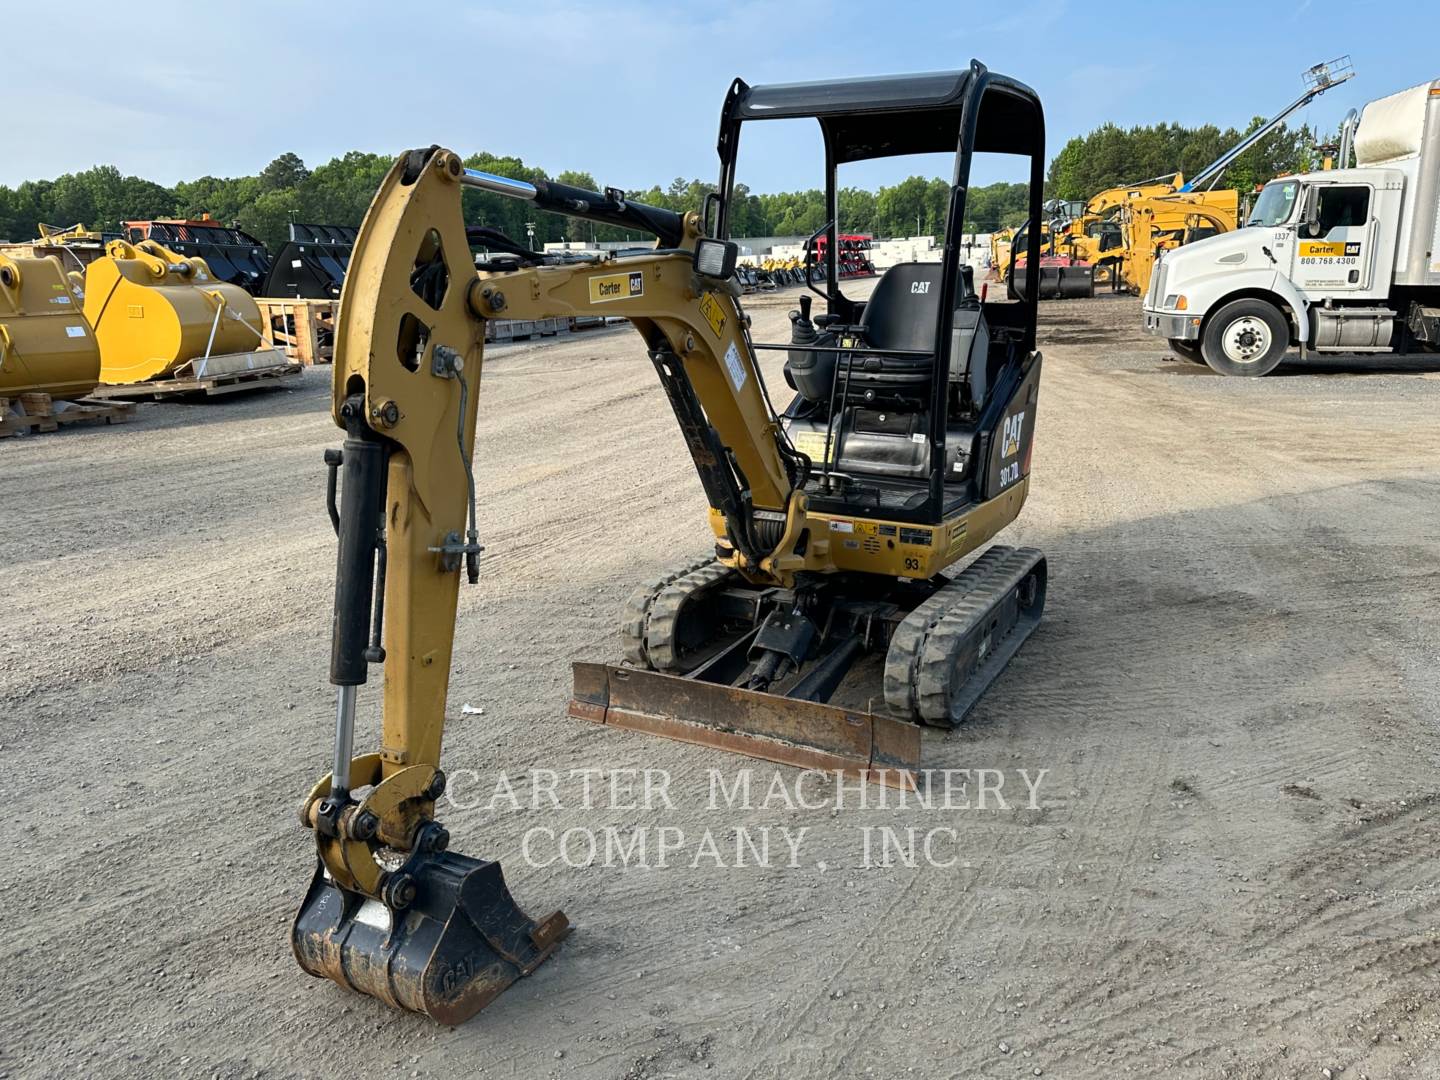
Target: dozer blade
column 785, row 730
column 459, row 943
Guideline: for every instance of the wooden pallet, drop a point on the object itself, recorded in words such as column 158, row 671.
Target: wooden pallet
column 214, row 385
column 57, row 414
column 304, row 330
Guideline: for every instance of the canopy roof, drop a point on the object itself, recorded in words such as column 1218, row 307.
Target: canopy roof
column 886, row 115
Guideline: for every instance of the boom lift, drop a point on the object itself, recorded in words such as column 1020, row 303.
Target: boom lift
column 1123, row 229
column 906, row 448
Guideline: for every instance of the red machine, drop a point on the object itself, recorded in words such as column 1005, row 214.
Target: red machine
column 854, row 254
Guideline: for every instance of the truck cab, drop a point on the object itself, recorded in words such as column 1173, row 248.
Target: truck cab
column 1340, row 261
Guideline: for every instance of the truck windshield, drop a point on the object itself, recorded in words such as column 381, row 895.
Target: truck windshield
column 1274, row 205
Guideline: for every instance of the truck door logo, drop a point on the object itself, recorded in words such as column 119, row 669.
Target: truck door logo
column 1329, row 252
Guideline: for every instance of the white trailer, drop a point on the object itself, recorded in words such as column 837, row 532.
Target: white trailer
column 1341, row 261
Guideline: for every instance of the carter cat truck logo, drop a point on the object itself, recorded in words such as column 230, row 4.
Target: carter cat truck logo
column 1326, row 251
column 1010, row 438
column 617, row 287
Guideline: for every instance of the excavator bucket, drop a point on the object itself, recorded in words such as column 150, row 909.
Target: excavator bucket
column 786, row 730
column 155, row 313
column 46, row 346
column 312, row 264
column 448, row 954
column 233, row 256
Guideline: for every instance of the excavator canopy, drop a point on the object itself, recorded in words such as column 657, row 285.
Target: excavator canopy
column 887, row 115
column 963, row 112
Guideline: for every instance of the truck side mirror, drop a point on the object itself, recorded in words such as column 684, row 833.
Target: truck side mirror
column 1311, row 220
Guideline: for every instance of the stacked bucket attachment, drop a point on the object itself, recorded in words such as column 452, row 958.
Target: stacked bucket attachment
column 312, row 264
column 702, row 648
column 155, row 313
column 233, row 255
column 46, row 346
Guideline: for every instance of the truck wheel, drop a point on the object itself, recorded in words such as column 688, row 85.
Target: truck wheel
column 1187, row 350
column 1245, row 337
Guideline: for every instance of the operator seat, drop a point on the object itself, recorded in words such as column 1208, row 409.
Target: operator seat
column 901, row 314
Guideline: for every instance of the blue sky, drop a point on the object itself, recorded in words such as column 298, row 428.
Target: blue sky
column 630, row 90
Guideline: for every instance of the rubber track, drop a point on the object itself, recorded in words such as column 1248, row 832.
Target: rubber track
column 920, row 665
column 635, row 630
column 664, row 614
column 636, row 612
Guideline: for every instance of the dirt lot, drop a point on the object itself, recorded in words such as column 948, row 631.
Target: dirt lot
column 1230, row 872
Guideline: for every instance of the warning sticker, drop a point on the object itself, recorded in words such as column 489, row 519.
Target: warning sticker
column 734, row 368
column 605, row 287
column 810, row 443
column 74, row 331
column 714, row 314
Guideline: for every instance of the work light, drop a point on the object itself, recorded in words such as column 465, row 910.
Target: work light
column 715, row 258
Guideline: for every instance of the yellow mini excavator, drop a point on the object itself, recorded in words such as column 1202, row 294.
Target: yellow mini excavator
column 839, row 522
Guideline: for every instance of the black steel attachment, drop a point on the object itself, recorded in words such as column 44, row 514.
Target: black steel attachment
column 446, row 942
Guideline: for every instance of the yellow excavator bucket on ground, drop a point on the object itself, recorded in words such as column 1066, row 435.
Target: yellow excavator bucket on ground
column 45, row 345
column 153, row 312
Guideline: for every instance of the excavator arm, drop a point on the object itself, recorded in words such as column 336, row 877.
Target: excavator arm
column 391, row 912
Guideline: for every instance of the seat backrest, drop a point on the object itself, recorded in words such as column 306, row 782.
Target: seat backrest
column 902, row 311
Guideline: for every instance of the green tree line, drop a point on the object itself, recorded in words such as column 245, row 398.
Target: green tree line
column 339, row 191
column 1111, row 156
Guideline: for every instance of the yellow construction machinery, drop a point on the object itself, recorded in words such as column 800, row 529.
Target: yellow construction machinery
column 1063, row 275
column 1150, row 227
column 76, row 246
column 46, row 347
column 838, row 523
column 1092, row 232
column 155, row 313
column 1002, row 241
column 1102, row 232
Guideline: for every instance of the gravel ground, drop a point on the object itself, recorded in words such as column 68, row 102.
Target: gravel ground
column 1228, row 869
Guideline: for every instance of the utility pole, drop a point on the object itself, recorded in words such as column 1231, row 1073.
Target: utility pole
column 530, row 234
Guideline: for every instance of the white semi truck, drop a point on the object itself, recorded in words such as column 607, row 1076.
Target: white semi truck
column 1341, row 261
